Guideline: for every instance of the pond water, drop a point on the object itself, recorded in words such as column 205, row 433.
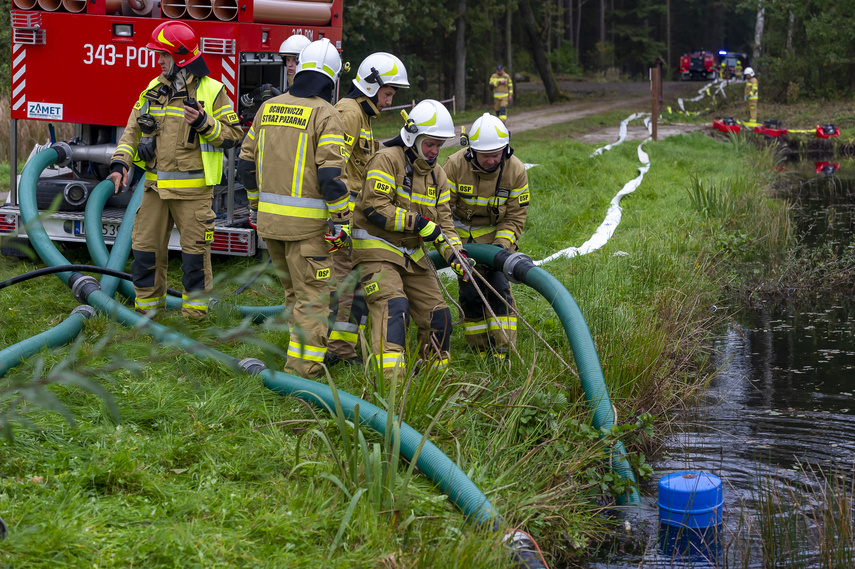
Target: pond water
column 780, row 411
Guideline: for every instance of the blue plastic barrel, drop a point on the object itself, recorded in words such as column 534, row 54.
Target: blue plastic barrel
column 690, row 499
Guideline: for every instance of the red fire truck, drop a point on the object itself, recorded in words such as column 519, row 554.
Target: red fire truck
column 84, row 62
column 698, row 65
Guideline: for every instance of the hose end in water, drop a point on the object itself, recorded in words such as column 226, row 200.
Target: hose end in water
column 87, row 311
column 63, row 151
column 252, row 366
column 82, row 286
column 524, row 550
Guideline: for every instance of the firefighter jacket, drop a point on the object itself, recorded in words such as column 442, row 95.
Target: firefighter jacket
column 398, row 187
column 502, row 85
column 488, row 207
column 297, row 145
column 188, row 161
column 751, row 88
column 356, row 114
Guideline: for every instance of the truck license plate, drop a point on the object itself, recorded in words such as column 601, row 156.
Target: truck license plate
column 108, row 230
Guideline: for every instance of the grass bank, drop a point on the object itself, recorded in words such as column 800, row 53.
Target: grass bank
column 206, row 469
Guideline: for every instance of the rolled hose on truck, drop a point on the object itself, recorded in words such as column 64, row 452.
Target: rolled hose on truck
column 440, row 469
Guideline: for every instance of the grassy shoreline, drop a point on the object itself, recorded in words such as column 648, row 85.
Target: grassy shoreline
column 211, row 469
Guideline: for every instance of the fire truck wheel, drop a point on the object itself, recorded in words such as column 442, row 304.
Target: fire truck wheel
column 17, row 247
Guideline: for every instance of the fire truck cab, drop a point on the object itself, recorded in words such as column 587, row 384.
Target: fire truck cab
column 85, row 62
column 698, row 65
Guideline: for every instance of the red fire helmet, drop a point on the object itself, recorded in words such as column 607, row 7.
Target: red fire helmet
column 179, row 40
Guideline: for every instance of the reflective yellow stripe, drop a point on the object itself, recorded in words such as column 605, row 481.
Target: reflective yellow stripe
column 444, row 197
column 149, row 303
column 299, row 164
column 225, row 109
column 505, row 234
column 474, row 328
column 423, row 199
column 306, row 352
column 291, row 211
column 506, row 322
column 400, row 219
column 388, row 360
column 344, row 336
column 195, row 303
column 364, row 240
column 517, row 192
column 339, row 205
column 125, row 148
column 466, row 231
column 380, row 175
column 258, row 168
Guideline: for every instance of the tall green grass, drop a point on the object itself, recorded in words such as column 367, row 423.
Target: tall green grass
column 207, row 468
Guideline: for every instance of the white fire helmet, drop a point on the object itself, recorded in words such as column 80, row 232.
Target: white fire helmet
column 322, row 57
column 379, row 69
column 749, row 71
column 294, row 45
column 488, row 134
column 431, row 119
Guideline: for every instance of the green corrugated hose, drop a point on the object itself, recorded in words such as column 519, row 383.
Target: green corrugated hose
column 118, row 256
column 440, row 469
column 581, row 343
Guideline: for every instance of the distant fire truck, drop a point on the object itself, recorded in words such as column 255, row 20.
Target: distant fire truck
column 84, row 62
column 698, row 65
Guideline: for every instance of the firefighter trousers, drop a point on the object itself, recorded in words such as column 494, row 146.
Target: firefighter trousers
column 394, row 295
column 348, row 302
column 305, row 270
column 482, row 331
column 500, row 105
column 153, row 224
column 751, row 106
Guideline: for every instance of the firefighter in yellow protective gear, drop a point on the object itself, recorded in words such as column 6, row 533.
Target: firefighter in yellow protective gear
column 180, row 143
column 378, row 78
column 737, row 70
column 294, row 154
column 503, row 91
column 290, row 51
column 403, row 204
column 489, row 201
column 751, row 94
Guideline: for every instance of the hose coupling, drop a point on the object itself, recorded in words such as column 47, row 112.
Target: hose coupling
column 63, row 151
column 213, row 302
column 82, row 286
column 87, row 311
column 515, row 266
column 252, row 366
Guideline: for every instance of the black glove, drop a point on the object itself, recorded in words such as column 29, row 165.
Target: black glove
column 429, row 230
column 200, row 121
column 147, row 148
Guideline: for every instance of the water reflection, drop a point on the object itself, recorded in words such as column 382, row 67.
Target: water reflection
column 782, row 404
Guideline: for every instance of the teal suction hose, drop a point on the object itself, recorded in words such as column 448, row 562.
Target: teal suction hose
column 519, row 268
column 118, row 256
column 440, row 469
column 437, row 467
column 61, row 334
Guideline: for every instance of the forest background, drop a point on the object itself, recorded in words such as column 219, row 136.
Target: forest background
column 800, row 49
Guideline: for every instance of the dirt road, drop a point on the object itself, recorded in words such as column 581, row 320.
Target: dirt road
column 631, row 96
